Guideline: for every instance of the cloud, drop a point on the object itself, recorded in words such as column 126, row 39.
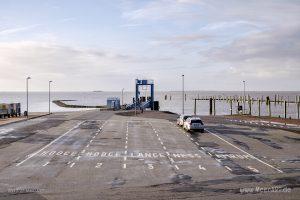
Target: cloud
column 18, row 29
column 266, row 54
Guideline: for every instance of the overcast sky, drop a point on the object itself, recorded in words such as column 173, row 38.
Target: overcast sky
column 104, row 45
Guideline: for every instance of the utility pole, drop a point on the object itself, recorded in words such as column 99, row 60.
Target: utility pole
column 244, row 82
column 27, row 95
column 49, row 97
column 122, row 96
column 183, row 97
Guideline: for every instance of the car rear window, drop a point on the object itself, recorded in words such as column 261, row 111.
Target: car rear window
column 185, row 117
column 197, row 121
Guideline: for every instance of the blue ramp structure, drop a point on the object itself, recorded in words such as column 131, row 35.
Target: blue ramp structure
column 142, row 102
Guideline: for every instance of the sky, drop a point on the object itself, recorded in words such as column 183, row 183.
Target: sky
column 104, row 45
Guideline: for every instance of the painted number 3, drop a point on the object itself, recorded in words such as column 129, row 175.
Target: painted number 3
column 150, row 166
column 98, row 165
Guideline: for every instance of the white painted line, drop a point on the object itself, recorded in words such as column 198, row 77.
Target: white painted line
column 126, row 141
column 167, row 153
column 253, row 169
column 228, row 168
column 245, row 152
column 125, row 146
column 125, row 158
column 164, row 148
column 176, row 167
column 202, row 148
column 157, row 135
column 94, row 137
column 83, row 151
column 159, row 139
column 209, row 153
column 31, row 155
column 87, row 145
column 72, row 165
column 124, row 165
column 197, row 143
column 218, row 160
column 126, row 138
column 192, row 139
column 91, row 141
column 125, row 152
column 45, row 164
column 161, row 143
column 78, row 157
column 172, row 160
column 202, row 168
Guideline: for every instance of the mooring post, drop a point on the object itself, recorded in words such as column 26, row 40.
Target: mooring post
column 210, row 106
column 214, row 106
column 250, row 106
column 298, row 107
column 230, row 106
column 284, row 109
column 269, row 106
column 195, row 106
column 259, row 107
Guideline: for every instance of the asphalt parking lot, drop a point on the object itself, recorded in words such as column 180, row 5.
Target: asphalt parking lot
column 101, row 155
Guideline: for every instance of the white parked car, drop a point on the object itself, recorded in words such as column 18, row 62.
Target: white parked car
column 181, row 119
column 194, row 124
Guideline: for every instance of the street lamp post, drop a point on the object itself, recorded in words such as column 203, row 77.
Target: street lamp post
column 49, row 97
column 122, row 97
column 27, row 79
column 244, row 82
column 182, row 94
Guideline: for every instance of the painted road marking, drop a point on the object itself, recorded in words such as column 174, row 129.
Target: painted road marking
column 253, row 169
column 164, row 148
column 98, row 165
column 172, row 160
column 72, row 165
column 126, row 141
column 124, row 165
column 176, row 167
column 159, row 139
column 125, row 146
column 45, row 164
column 244, row 151
column 161, row 143
column 125, row 158
column 83, row 151
column 150, row 166
column 77, row 158
column 228, row 168
column 202, row 168
column 31, row 155
column 197, row 143
column 87, row 145
column 91, row 141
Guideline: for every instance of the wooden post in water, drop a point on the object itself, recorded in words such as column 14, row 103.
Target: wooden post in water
column 298, row 107
column 259, row 107
column 250, row 106
column 231, row 108
column 284, row 109
column 214, row 106
column 210, row 106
